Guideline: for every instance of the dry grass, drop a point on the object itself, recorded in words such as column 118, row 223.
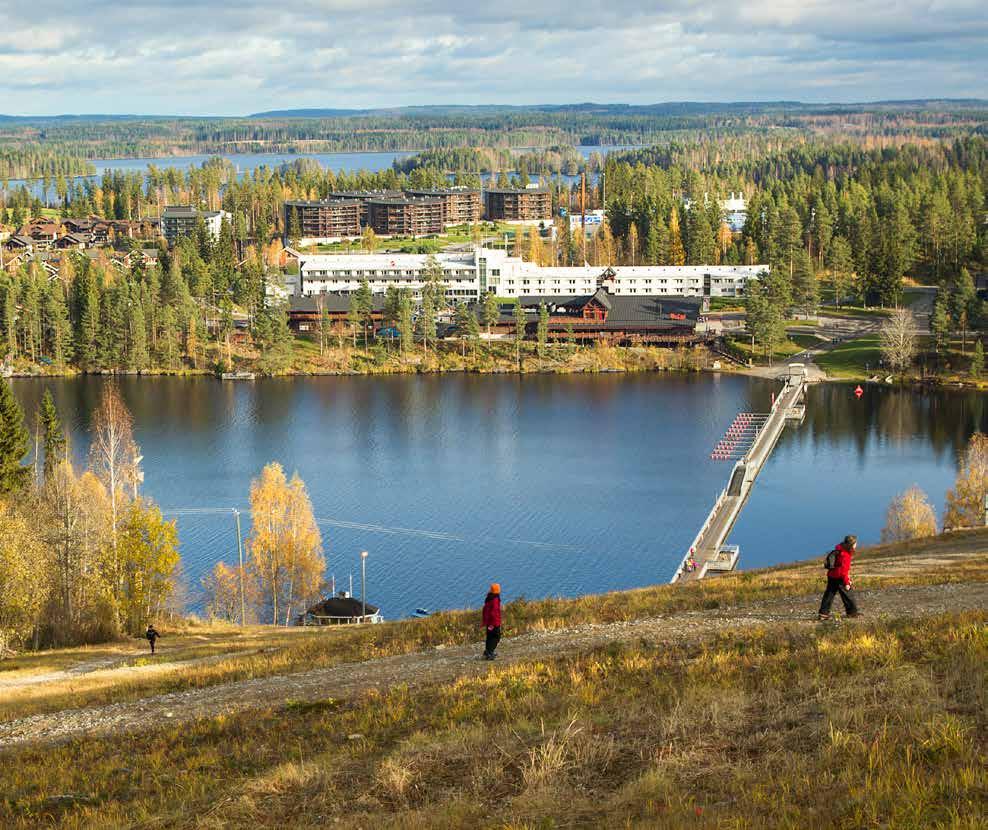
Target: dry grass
column 265, row 651
column 877, row 725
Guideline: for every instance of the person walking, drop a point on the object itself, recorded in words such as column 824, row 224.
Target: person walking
column 152, row 635
column 492, row 621
column 838, row 565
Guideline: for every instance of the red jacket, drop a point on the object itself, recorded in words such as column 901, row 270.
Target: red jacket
column 842, row 570
column 492, row 611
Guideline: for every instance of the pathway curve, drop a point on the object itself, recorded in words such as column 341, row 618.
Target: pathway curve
column 446, row 664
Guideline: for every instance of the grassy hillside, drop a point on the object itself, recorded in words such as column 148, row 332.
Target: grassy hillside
column 880, row 722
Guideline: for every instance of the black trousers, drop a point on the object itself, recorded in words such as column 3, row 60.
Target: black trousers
column 493, row 638
column 151, row 641
column 834, row 587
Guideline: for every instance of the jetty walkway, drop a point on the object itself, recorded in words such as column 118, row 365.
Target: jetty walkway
column 759, row 435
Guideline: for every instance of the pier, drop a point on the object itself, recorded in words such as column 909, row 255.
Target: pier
column 748, row 442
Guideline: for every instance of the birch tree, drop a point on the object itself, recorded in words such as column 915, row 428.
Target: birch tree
column 966, row 500
column 285, row 547
column 898, row 340
column 909, row 516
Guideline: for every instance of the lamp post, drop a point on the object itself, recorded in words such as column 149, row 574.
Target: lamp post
column 363, row 585
column 240, row 552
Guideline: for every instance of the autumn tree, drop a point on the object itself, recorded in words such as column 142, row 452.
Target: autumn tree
column 148, row 552
column 285, row 546
column 898, row 340
column 909, row 516
column 676, row 254
column 113, row 454
column 24, row 579
column 222, row 589
column 966, row 500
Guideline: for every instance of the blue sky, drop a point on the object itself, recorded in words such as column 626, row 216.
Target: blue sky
column 184, row 57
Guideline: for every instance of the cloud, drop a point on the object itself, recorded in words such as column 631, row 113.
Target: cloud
column 188, row 57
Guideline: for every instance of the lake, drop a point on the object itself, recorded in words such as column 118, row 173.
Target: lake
column 373, row 162
column 551, row 485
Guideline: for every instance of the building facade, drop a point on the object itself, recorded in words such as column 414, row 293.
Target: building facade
column 405, row 216
column 328, row 220
column 471, row 274
column 518, row 205
column 460, row 205
column 180, row 220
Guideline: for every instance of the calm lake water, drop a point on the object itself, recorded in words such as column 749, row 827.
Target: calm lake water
column 245, row 162
column 551, row 485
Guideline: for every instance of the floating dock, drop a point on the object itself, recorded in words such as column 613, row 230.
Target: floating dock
column 749, row 442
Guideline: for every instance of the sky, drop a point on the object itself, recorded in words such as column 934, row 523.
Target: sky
column 233, row 58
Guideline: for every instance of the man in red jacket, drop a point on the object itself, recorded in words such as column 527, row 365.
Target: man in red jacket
column 839, row 579
column 492, row 621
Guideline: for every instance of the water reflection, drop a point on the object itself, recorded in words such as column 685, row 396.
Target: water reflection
column 552, row 485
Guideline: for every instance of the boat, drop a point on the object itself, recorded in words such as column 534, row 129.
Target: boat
column 238, row 376
column 422, row 612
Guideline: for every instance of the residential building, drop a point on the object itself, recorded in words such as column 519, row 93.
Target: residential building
column 460, row 205
column 406, row 216
column 532, row 204
column 328, row 220
column 363, row 197
column 181, row 220
column 473, row 273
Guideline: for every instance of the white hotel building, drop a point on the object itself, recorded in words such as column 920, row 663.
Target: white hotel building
column 470, row 274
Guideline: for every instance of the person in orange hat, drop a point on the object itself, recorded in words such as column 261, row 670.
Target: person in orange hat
column 492, row 621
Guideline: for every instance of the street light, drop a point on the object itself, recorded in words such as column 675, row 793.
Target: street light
column 240, row 552
column 363, row 585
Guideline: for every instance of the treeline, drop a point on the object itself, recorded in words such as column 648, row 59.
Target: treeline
column 437, row 127
column 41, row 163
column 160, row 315
column 83, row 556
column 540, row 162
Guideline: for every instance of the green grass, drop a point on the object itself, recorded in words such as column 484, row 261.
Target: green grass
column 854, row 359
column 806, row 341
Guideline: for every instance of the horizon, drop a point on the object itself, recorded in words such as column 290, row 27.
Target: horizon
column 345, row 112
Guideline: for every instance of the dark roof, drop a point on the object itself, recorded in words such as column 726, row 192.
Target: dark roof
column 517, row 190
column 624, row 310
column 365, row 194
column 452, row 191
column 402, row 200
column 333, row 303
column 341, row 607
column 20, row 239
column 340, row 202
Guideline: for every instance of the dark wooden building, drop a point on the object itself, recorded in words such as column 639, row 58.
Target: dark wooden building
column 625, row 319
column 460, row 205
column 517, row 205
column 326, row 219
column 405, row 216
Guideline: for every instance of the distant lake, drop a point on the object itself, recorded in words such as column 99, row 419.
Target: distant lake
column 551, row 485
column 245, row 162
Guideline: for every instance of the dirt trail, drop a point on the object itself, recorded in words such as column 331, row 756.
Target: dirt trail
column 445, row 664
column 116, row 666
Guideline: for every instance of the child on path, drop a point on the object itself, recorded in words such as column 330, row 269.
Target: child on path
column 152, row 635
column 492, row 621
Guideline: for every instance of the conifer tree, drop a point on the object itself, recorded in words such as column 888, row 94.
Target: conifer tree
column 53, row 438
column 978, row 360
column 14, row 440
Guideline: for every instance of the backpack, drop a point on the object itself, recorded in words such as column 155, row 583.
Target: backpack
column 830, row 561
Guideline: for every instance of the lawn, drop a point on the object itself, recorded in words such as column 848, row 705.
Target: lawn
column 853, row 359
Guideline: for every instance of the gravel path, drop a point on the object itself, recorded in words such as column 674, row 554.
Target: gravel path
column 447, row 663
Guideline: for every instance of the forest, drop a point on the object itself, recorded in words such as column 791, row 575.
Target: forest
column 428, row 128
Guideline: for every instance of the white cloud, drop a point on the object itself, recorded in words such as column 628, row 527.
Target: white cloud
column 187, row 57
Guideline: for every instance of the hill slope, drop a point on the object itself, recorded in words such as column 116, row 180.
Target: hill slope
column 718, row 704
